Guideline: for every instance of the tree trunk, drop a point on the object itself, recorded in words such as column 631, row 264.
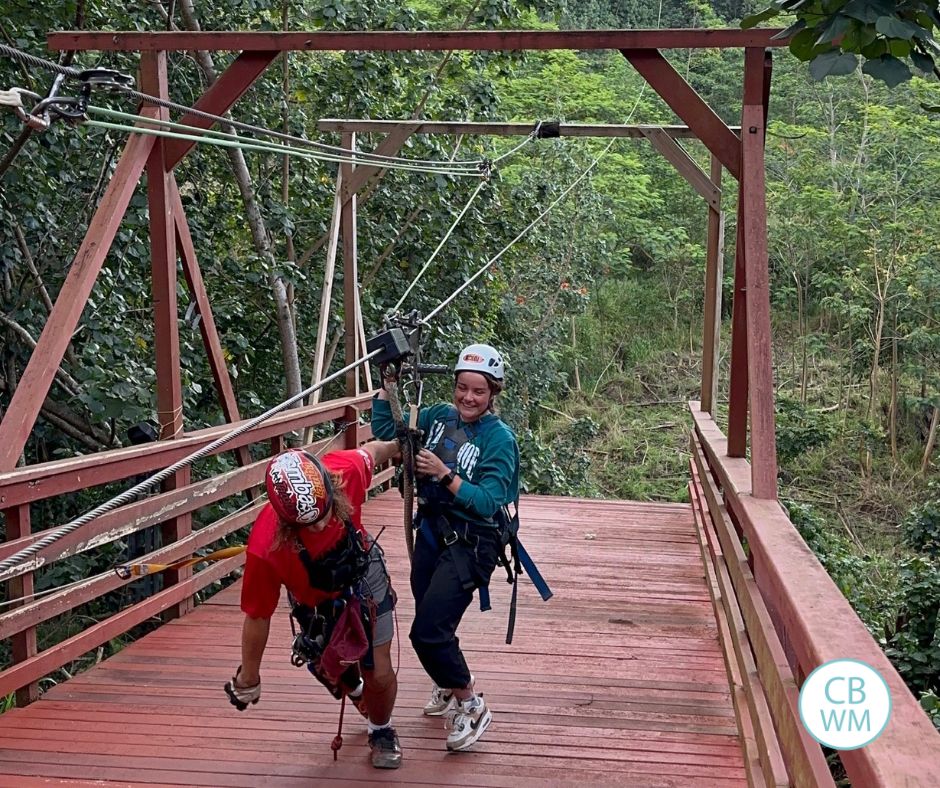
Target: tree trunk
column 259, row 233
column 876, row 358
column 574, row 355
column 893, row 414
column 931, row 439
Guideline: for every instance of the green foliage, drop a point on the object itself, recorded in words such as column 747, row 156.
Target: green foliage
column 931, row 704
column 560, row 465
column 914, row 646
column 888, row 35
column 800, row 429
column 921, row 528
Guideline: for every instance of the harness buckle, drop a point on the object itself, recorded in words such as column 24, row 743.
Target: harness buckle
column 451, row 539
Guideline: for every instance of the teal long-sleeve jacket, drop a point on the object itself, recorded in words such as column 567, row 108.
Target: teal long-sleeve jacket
column 490, row 476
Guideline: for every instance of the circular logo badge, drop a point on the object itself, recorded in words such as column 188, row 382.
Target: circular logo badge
column 845, row 704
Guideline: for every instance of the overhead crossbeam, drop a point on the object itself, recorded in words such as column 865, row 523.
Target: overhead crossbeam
column 505, row 129
column 395, row 40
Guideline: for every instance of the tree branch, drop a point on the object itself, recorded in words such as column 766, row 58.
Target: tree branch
column 65, row 380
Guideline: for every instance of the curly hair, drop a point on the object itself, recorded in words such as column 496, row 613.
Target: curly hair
column 342, row 509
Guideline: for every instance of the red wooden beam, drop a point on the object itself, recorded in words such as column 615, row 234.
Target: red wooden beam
column 737, row 394
column 759, row 332
column 37, row 482
column 163, row 262
column 56, row 604
column 47, row 355
column 47, row 661
column 220, row 97
column 139, row 515
column 476, row 40
column 689, row 106
column 363, row 174
column 153, row 79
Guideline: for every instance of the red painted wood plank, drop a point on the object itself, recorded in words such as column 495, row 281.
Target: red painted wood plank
column 479, row 40
column 49, row 660
column 600, row 683
column 688, row 105
column 207, row 328
column 820, row 623
column 45, row 480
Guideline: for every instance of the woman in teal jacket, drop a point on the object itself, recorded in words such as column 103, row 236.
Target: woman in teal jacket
column 466, row 472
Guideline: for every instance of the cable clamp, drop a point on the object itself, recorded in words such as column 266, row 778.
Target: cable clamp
column 106, row 78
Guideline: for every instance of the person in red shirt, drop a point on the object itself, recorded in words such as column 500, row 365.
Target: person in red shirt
column 309, row 538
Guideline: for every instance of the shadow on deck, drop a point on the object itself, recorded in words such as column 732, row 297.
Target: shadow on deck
column 620, row 678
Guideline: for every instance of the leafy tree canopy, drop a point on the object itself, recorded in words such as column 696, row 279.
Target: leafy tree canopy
column 891, row 37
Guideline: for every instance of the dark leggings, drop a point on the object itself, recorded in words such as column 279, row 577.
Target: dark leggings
column 441, row 599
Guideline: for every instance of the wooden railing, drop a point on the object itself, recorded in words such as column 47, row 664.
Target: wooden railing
column 21, row 488
column 783, row 616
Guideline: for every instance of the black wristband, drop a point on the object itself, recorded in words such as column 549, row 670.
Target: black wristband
column 445, row 481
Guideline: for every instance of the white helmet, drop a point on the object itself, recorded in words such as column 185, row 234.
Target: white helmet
column 480, row 358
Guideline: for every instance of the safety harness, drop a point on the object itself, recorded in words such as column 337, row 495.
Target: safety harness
column 335, row 637
column 437, row 523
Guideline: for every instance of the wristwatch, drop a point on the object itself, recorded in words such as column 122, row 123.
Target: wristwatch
column 445, row 481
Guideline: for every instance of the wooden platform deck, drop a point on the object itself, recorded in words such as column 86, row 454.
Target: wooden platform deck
column 619, row 679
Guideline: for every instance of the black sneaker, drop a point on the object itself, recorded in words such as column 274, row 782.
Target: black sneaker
column 386, row 751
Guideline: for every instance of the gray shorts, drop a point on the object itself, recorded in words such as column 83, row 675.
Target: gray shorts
column 379, row 586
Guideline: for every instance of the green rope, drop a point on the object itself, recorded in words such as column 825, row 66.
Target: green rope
column 224, row 140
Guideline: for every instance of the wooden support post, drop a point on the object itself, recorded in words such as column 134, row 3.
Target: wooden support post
column 369, row 175
column 361, row 340
column 714, row 274
column 760, row 340
column 686, row 166
column 351, row 437
column 23, row 644
column 34, row 385
column 207, row 328
column 166, row 313
column 350, row 269
column 738, row 383
column 326, row 296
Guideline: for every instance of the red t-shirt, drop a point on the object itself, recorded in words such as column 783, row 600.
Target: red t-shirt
column 267, row 569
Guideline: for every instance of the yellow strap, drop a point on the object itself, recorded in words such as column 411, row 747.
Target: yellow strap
column 138, row 570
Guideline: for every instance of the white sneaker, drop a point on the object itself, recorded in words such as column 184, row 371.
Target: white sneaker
column 441, row 701
column 470, row 719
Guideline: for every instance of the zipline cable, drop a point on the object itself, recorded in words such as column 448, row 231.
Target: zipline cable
column 266, row 147
column 444, row 167
column 359, row 158
column 440, row 245
column 32, row 60
column 508, row 246
column 15, row 565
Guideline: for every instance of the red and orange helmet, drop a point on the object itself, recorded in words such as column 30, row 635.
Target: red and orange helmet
column 299, row 487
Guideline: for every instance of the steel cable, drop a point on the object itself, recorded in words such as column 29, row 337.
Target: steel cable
column 15, row 565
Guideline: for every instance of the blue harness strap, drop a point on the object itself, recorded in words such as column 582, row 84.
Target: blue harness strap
column 533, row 572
